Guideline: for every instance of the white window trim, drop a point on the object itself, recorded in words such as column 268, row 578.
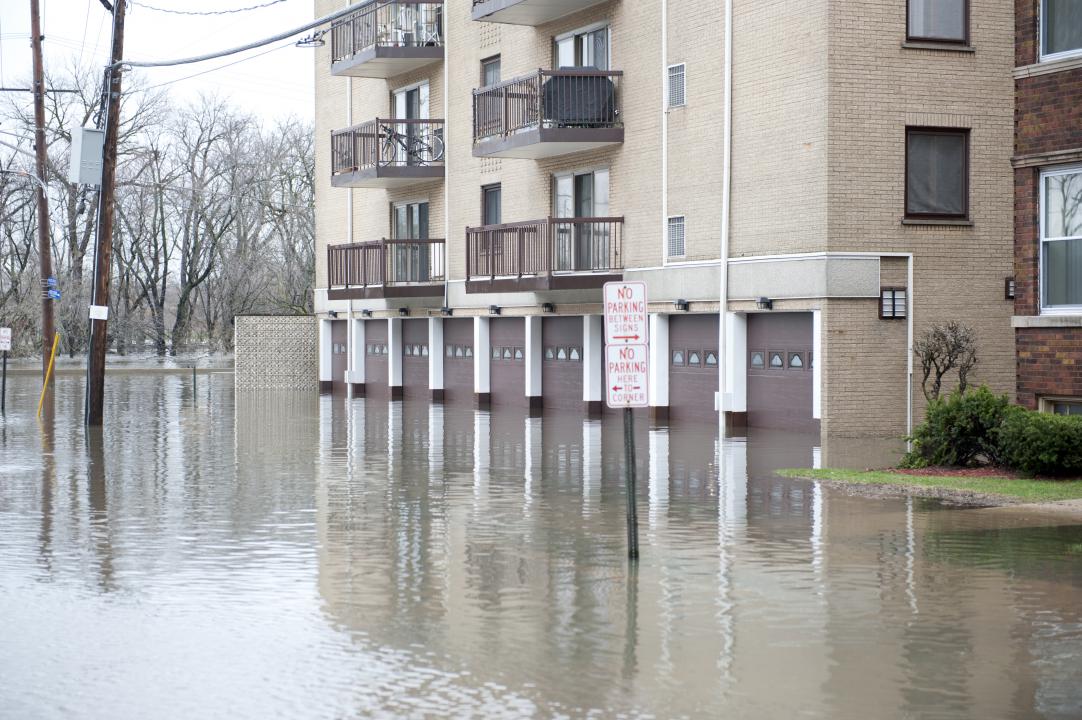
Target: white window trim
column 665, row 249
column 1055, row 309
column 668, row 86
column 1052, row 57
column 593, row 27
column 1045, row 403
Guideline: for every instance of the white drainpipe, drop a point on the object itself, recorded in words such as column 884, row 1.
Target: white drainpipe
column 726, row 198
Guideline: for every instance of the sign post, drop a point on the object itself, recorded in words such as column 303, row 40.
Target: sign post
column 627, row 372
column 5, row 346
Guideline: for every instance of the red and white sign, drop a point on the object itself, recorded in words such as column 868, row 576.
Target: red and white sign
column 5, row 339
column 627, row 370
column 626, row 321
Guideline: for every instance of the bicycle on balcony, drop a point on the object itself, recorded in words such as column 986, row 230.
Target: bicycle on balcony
column 414, row 146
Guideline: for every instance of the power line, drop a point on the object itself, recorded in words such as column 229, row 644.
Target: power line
column 208, row 12
column 220, row 67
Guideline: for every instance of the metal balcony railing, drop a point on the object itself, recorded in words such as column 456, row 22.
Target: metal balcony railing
column 385, row 263
column 388, row 23
column 568, row 98
column 383, row 143
column 545, row 247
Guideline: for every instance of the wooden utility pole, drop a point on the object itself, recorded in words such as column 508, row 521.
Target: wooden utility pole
column 45, row 255
column 103, row 253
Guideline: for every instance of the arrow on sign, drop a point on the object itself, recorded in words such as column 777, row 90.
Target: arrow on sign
column 625, row 337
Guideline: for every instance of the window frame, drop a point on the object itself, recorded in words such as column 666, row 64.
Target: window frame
column 668, row 85
column 682, row 220
column 487, row 61
column 966, row 134
column 1047, row 403
column 1041, row 240
column 1050, row 57
column 910, row 37
column 894, row 289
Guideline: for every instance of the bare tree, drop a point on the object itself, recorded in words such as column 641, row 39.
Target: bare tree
column 942, row 348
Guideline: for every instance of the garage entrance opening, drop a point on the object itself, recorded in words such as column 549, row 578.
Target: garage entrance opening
column 780, row 377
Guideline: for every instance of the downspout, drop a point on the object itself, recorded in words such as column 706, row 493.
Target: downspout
column 726, row 199
column 909, row 351
column 446, row 165
column 664, row 129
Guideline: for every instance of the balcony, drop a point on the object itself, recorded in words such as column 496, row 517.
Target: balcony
column 387, row 38
column 550, row 254
column 547, row 114
column 387, row 153
column 527, row 12
column 385, row 269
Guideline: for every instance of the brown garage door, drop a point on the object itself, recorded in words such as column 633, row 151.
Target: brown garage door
column 507, row 337
column 561, row 362
column 375, row 358
column 780, row 371
column 458, row 360
column 339, row 355
column 415, row 358
column 693, row 366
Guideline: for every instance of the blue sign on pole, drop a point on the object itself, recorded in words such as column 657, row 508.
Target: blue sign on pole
column 54, row 294
column 51, row 282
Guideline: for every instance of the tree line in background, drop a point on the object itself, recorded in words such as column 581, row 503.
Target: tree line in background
column 214, row 219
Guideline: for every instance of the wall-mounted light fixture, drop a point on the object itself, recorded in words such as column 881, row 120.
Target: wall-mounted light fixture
column 1008, row 289
column 333, row 313
column 682, row 305
column 764, row 303
column 494, row 310
column 446, row 311
column 404, row 311
column 548, row 307
column 366, row 313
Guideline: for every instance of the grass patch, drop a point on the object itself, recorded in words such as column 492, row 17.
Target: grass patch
column 1025, row 489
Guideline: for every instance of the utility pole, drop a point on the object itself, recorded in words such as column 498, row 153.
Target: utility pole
column 103, row 252
column 45, row 256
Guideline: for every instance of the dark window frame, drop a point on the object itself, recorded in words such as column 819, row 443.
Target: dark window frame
column 485, row 62
column 893, row 289
column 966, row 27
column 965, row 133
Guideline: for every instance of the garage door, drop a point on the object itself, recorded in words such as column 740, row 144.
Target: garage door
column 339, row 355
column 780, row 371
column 458, row 360
column 507, row 337
column 415, row 359
column 375, row 358
column 693, row 366
column 561, row 362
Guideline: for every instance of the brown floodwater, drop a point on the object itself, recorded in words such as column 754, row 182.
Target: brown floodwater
column 273, row 555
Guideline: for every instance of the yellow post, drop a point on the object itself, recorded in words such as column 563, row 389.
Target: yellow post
column 48, row 373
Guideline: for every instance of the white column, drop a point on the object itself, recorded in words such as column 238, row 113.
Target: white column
column 435, row 441
column 659, row 361
column 435, row 356
column 735, row 385
column 394, row 353
column 817, row 364
column 325, row 351
column 592, row 351
column 591, row 466
column 533, row 356
column 532, row 470
column 357, row 353
column 659, row 475
column 482, row 360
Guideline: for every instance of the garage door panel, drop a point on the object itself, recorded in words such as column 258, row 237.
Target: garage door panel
column 507, row 337
column 415, row 358
column 458, row 360
column 561, row 362
column 693, row 366
column 375, row 359
column 339, row 355
column 780, row 377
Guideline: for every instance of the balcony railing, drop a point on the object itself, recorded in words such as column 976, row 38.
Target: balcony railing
column 386, row 264
column 388, row 23
column 388, row 143
column 545, row 248
column 570, row 98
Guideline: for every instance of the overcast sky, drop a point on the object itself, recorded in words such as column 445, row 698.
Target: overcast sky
column 274, row 85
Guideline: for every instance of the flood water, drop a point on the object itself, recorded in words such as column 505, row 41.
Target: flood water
column 290, row 556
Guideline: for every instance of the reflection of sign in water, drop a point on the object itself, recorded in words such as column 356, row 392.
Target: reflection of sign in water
column 54, row 294
column 627, row 370
column 5, row 339
column 625, row 313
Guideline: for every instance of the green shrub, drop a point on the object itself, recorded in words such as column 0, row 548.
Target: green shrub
column 961, row 430
column 1042, row 444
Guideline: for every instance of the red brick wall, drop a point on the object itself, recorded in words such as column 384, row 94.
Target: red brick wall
column 1047, row 113
column 1049, row 363
column 1026, row 224
column 1025, row 32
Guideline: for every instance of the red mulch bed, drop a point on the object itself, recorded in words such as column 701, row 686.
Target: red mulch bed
column 959, row 472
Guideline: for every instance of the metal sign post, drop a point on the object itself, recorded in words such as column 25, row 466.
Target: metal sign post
column 5, row 346
column 627, row 374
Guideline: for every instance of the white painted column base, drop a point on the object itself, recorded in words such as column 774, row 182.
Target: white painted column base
column 593, row 348
column 394, row 357
column 659, row 362
column 435, row 358
column 358, row 350
column 482, row 361
column 735, row 385
column 533, row 361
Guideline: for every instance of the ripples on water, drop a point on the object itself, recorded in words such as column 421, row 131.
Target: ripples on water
column 280, row 555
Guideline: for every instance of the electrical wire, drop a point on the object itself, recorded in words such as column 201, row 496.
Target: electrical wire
column 208, row 12
column 220, row 67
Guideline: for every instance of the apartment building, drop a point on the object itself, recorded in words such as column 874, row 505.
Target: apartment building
column 486, row 165
column 1047, row 286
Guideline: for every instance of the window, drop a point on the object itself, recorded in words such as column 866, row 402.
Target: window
column 450, row 351
column 491, row 204
column 796, row 361
column 469, row 351
column 1061, row 28
column 1066, row 407
column 582, row 49
column 1008, row 288
column 550, row 354
column 677, row 85
column 938, row 20
column 758, row 359
column 561, row 353
column 507, row 353
column 496, row 353
column 936, row 173
column 777, row 360
column 678, row 358
column 575, row 354
column 409, row 351
column 694, row 358
column 581, row 246
column 892, row 304
column 1061, row 240
column 490, row 71
column 676, row 247
column 711, row 358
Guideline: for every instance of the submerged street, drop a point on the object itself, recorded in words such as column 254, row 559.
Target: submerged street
column 285, row 555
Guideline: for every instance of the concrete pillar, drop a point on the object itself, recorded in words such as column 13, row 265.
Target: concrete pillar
column 533, row 362
column 659, row 366
column 394, row 357
column 817, row 364
column 357, row 352
column 482, row 362
column 326, row 360
column 593, row 349
column 435, row 358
